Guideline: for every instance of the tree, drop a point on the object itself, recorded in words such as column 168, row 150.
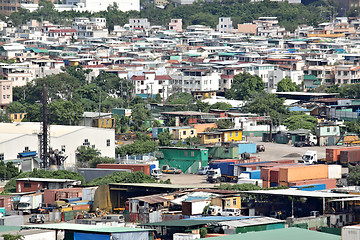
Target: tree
column 221, row 106
column 267, row 104
column 97, row 160
column 113, row 85
column 300, row 121
column 244, row 86
column 353, row 126
column 164, row 139
column 286, row 85
column 138, row 116
column 123, row 177
column 181, row 98
column 202, row 106
column 137, row 147
column 12, row 237
column 77, row 72
column 15, row 107
column 65, row 112
column 353, row 178
column 85, row 155
column 224, row 124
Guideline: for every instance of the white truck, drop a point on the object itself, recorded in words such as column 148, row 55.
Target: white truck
column 213, row 175
column 156, row 173
column 30, row 203
column 218, row 211
column 310, row 157
column 308, row 141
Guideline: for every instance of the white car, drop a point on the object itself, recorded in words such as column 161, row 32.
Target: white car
column 203, row 170
column 231, row 212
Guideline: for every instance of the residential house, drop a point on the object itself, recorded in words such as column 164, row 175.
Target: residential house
column 210, row 137
column 231, row 135
column 139, row 24
column 176, row 25
column 5, row 93
column 328, row 134
column 225, row 25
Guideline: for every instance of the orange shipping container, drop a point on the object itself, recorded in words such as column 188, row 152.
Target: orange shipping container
column 302, row 172
column 265, row 174
column 333, row 154
column 81, row 207
column 330, row 183
column 286, row 184
column 266, row 184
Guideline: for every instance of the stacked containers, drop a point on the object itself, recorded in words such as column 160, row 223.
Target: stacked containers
column 301, row 172
column 329, row 183
column 333, row 154
column 350, row 156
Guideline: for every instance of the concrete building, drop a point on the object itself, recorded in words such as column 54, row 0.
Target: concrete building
column 90, row 28
column 175, row 25
column 196, row 79
column 25, row 136
column 268, row 27
column 5, row 93
column 247, row 29
column 139, row 24
column 225, row 25
column 150, row 84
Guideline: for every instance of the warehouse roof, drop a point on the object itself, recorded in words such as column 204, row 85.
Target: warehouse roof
column 47, row 180
column 281, row 234
column 252, row 222
column 299, row 193
column 195, row 221
column 84, row 228
column 158, row 185
column 346, row 199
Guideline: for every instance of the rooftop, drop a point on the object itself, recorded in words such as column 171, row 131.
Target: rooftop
column 299, row 193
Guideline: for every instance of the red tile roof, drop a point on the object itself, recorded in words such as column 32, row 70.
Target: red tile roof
column 163, row 77
column 62, row 30
column 138, row 77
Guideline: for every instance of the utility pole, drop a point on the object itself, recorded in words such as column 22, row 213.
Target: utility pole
column 45, row 129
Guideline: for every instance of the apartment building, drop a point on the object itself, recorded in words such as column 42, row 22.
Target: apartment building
column 139, row 23
column 90, row 28
column 150, row 84
column 269, row 27
column 225, row 25
column 347, row 74
column 5, row 93
column 176, row 25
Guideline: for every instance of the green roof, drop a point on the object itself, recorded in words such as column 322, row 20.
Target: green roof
column 84, row 228
column 281, row 234
column 310, row 77
column 9, row 228
column 227, row 54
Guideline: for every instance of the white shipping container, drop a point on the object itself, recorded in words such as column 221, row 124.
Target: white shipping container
column 197, row 207
column 256, row 182
column 39, row 234
column 185, row 236
column 88, row 194
column 350, row 233
column 334, row 171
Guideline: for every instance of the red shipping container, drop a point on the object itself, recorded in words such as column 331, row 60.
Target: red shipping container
column 330, row 183
column 265, row 174
column 333, row 154
column 266, row 184
column 274, row 175
column 350, row 156
column 51, row 195
column 145, row 168
column 81, row 207
column 285, row 161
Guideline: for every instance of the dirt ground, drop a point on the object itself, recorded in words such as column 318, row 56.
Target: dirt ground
column 273, row 152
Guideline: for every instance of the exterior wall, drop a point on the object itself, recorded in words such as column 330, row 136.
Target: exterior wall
column 210, row 138
column 27, row 186
column 225, row 25
column 184, row 133
column 223, row 152
column 6, row 202
column 8, row 7
column 51, row 195
column 175, row 25
column 104, row 123
column 232, row 136
column 230, row 202
column 139, row 23
column 5, row 92
column 202, row 127
column 20, row 79
column 247, row 28
column 324, row 131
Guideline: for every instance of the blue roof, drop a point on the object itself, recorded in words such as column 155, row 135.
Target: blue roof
column 28, row 154
column 298, row 109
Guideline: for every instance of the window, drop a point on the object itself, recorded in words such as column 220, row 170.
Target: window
column 2, row 156
column 184, row 132
column 192, row 132
column 86, row 142
column 234, row 201
column 192, row 153
column 27, row 185
column 230, row 134
column 63, row 148
column 26, row 149
column 108, row 142
column 93, row 146
column 236, row 134
column 185, row 154
column 328, row 129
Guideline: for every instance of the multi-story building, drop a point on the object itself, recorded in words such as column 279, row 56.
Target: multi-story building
column 347, row 74
column 90, row 28
column 281, row 72
column 150, row 84
column 324, row 75
column 268, row 27
column 225, row 25
column 5, row 93
column 175, row 25
column 8, row 7
column 139, row 23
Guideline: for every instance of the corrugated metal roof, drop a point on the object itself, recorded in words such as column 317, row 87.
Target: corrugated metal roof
column 152, row 199
column 297, row 193
column 84, row 228
column 281, row 234
column 252, row 222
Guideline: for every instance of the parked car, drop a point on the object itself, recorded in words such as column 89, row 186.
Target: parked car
column 113, row 218
column 231, row 212
column 37, row 218
column 172, row 170
column 203, row 170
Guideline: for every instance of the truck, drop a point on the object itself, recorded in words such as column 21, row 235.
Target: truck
column 218, row 211
column 213, row 175
column 310, row 157
column 225, row 172
column 45, row 208
column 309, row 140
column 156, row 173
column 30, row 203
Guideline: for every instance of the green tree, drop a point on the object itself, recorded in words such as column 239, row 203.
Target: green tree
column 221, row 106
column 137, row 147
column 353, row 126
column 65, row 112
column 15, row 107
column 123, row 177
column 300, row 121
column 267, row 104
column 286, row 85
column 165, row 139
column 202, row 106
column 224, row 124
column 181, row 98
column 97, row 160
column 353, row 178
column 245, row 86
column 78, row 72
column 9, row 236
column 138, row 116
column 85, row 155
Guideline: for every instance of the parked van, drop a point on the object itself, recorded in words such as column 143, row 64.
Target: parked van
column 113, row 218
column 231, row 212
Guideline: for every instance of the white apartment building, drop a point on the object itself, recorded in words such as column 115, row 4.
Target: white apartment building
column 225, row 25
column 268, row 27
column 5, row 93
column 262, row 70
column 24, row 136
column 347, row 74
column 196, row 80
column 150, row 84
column 139, row 23
column 90, row 28
column 280, row 73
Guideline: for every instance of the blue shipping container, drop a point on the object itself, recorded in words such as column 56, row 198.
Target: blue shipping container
column 311, row 187
column 224, row 167
column 255, row 174
column 274, row 184
column 247, row 148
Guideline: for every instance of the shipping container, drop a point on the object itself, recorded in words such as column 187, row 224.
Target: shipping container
column 51, row 195
column 329, row 183
column 186, row 236
column 247, row 148
column 350, row 156
column 265, row 174
column 274, row 175
column 350, row 232
column 302, row 172
column 334, row 171
column 88, row 193
column 145, row 168
column 274, row 184
column 255, row 174
column 333, row 153
column 286, row 184
column 266, row 184
column 311, row 187
column 194, row 207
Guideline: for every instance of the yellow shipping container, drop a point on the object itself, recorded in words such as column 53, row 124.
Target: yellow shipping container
column 66, row 209
column 303, row 172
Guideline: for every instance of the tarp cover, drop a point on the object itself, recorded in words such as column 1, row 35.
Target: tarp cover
column 90, row 236
column 130, row 236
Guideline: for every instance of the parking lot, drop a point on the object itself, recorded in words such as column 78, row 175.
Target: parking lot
column 273, row 152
